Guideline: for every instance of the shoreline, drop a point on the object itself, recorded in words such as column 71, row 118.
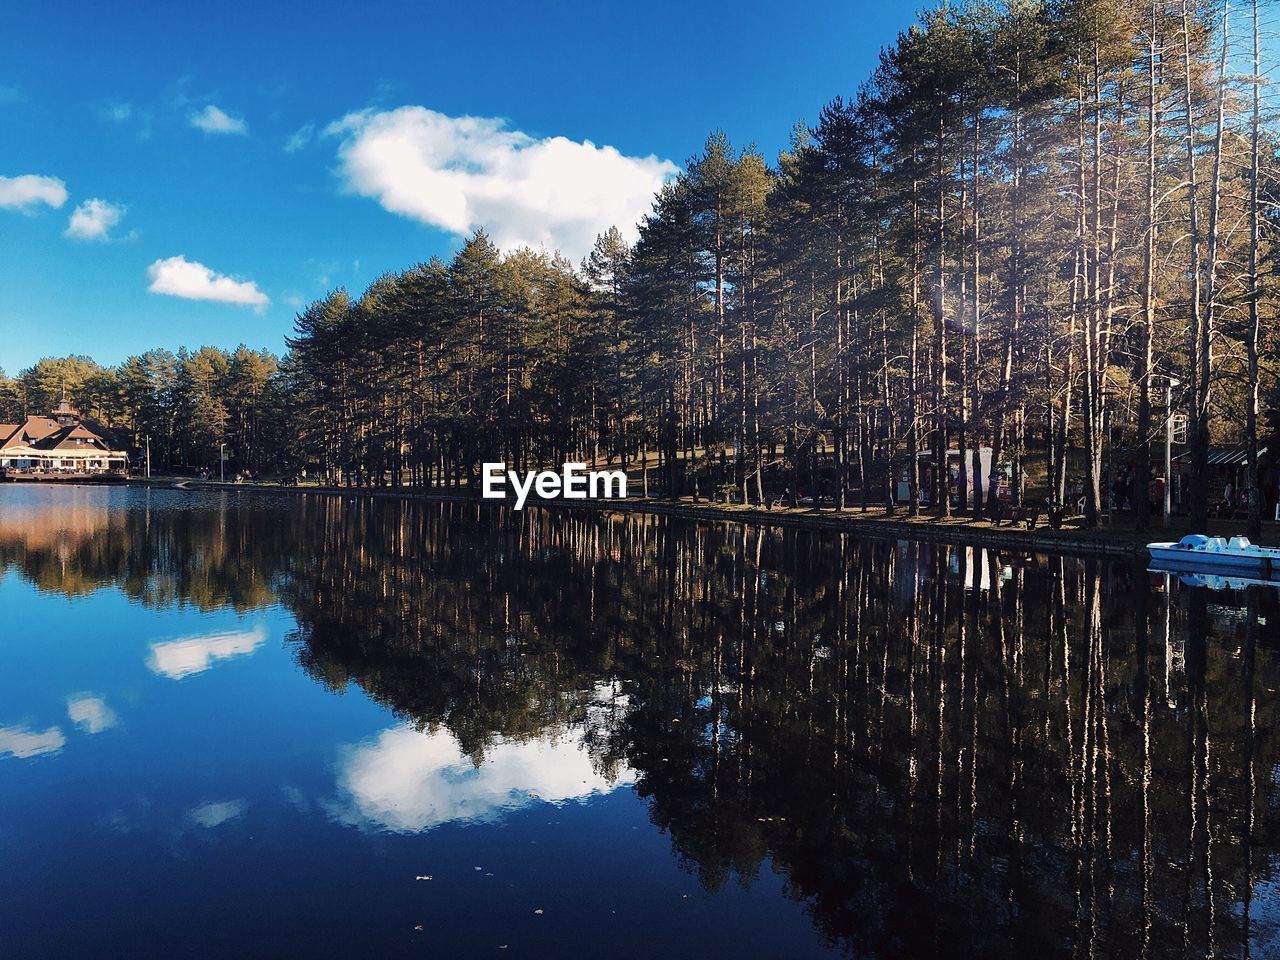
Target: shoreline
column 1115, row 541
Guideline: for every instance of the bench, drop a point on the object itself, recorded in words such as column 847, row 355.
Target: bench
column 1027, row 515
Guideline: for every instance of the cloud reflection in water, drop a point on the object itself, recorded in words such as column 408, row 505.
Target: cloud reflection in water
column 91, row 714
column 185, row 656
column 210, row 815
column 23, row 743
column 406, row 781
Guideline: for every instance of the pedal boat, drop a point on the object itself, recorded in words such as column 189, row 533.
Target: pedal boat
column 1219, row 555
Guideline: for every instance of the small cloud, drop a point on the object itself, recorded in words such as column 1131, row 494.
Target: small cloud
column 117, row 112
column 23, row 743
column 93, row 219
column 91, row 714
column 300, row 138
column 126, row 116
column 321, row 271
column 210, row 815
column 28, row 191
column 294, row 300
column 213, row 119
column 11, row 95
column 180, row 277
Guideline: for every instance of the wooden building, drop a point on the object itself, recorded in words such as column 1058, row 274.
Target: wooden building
column 59, row 447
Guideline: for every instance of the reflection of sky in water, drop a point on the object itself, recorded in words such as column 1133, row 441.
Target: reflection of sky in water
column 1264, row 914
column 185, row 656
column 23, row 743
column 408, row 781
column 210, row 815
column 91, row 714
column 251, row 811
column 189, row 743
column 258, row 809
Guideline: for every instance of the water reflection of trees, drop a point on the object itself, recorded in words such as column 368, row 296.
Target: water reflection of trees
column 942, row 751
column 159, row 547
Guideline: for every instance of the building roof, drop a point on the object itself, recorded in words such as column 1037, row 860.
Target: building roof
column 47, row 434
column 1226, row 456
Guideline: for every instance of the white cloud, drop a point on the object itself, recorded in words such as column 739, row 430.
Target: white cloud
column 180, row 658
column 460, row 173
column 23, row 743
column 93, row 219
column 117, row 112
column 180, row 277
column 406, row 781
column 210, row 815
column 25, row 192
column 126, row 115
column 91, row 714
column 216, row 120
column 300, row 138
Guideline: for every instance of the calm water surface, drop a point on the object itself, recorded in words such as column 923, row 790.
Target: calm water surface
column 266, row 726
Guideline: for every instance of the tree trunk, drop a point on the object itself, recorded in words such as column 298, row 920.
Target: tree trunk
column 1251, row 339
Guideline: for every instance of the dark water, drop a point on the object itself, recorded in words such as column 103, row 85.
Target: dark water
column 245, row 725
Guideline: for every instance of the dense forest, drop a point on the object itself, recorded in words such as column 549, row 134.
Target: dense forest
column 1030, row 224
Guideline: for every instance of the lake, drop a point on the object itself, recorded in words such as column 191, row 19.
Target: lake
column 257, row 725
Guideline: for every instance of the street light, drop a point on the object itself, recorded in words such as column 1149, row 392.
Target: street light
column 148, row 456
column 222, row 466
column 1168, row 446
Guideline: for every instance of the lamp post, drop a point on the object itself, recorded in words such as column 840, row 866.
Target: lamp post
column 222, row 466
column 148, row 456
column 1168, row 446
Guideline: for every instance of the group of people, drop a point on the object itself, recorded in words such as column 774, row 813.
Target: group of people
column 1121, row 494
column 1124, row 490
column 1234, row 499
column 244, row 476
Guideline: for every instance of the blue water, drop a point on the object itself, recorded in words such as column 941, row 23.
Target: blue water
column 172, row 783
column 245, row 725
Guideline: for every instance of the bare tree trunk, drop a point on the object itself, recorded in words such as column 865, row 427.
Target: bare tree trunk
column 941, row 472
column 1094, row 360
column 975, row 378
column 1147, row 356
column 1079, row 297
column 1198, row 353
column 838, row 433
column 913, row 433
column 1205, row 376
column 962, row 377
column 1251, row 340
column 913, row 427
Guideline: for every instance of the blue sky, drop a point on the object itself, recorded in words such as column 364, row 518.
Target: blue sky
column 260, row 157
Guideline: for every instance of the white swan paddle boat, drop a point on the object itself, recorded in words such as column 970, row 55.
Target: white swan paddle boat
column 1237, row 555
